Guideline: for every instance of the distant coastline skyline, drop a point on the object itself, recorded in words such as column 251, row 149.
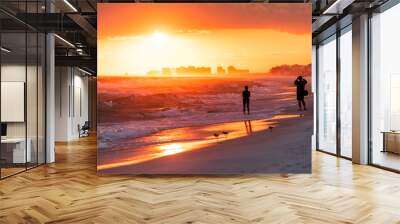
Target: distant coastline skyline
column 196, row 70
column 284, row 70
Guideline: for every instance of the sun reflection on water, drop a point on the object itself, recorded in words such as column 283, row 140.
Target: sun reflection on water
column 171, row 149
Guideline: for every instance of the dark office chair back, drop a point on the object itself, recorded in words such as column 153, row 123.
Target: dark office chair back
column 3, row 129
column 86, row 125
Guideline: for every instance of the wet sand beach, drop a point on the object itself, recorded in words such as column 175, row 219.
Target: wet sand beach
column 277, row 144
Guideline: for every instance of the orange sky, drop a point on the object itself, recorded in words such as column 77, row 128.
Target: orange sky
column 136, row 38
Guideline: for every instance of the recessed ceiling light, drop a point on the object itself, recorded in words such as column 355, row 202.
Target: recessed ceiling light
column 84, row 71
column 337, row 7
column 64, row 40
column 5, row 50
column 70, row 5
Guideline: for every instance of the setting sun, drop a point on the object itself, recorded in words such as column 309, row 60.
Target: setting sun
column 159, row 37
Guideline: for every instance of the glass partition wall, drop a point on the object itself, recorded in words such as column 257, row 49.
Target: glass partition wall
column 334, row 94
column 13, row 90
column 22, row 88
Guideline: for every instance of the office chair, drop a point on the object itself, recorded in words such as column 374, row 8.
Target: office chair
column 84, row 130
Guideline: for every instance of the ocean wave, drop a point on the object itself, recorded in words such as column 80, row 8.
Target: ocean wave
column 143, row 107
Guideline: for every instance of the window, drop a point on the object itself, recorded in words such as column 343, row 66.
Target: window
column 346, row 93
column 327, row 95
column 385, row 89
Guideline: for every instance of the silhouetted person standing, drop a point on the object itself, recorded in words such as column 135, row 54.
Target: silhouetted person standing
column 246, row 100
column 301, row 91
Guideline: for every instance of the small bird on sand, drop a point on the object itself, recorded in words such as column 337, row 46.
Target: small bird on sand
column 216, row 135
column 271, row 127
column 225, row 133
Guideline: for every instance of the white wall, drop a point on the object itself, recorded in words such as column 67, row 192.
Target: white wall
column 71, row 102
column 80, row 110
column 62, row 83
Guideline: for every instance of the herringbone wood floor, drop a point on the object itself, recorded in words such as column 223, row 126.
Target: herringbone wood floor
column 69, row 191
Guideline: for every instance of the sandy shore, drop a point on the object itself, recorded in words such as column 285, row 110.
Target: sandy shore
column 285, row 149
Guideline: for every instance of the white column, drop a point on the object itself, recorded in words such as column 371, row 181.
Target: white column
column 360, row 90
column 50, row 92
column 50, row 98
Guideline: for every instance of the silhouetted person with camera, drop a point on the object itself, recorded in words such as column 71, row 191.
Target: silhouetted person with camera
column 246, row 100
column 301, row 91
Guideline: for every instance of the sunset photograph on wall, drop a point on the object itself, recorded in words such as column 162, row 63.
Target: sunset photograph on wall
column 204, row 88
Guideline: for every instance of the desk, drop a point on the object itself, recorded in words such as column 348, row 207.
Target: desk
column 391, row 141
column 16, row 147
